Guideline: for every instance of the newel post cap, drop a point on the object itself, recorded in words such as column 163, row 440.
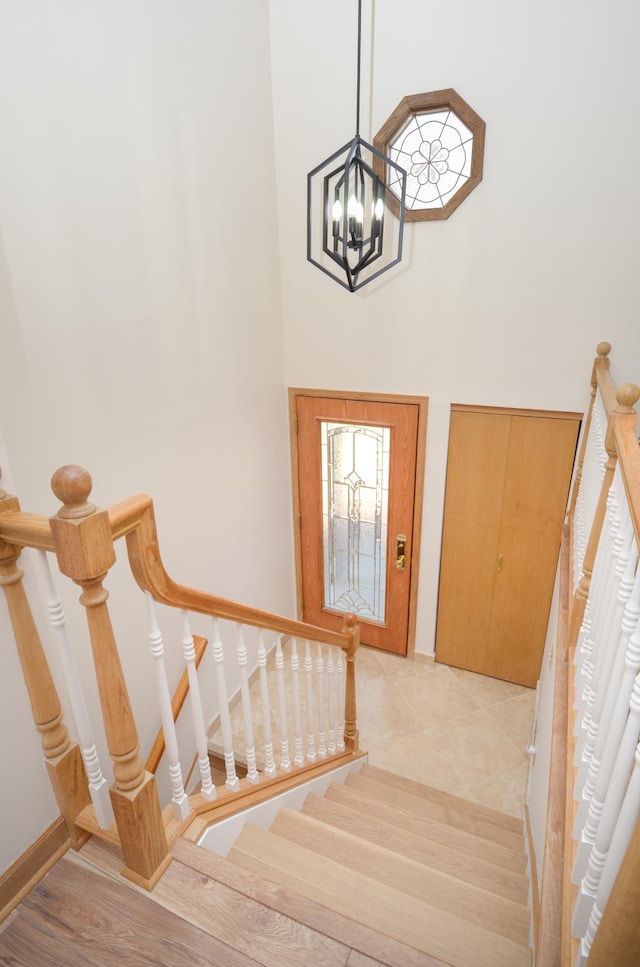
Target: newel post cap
column 627, row 395
column 72, row 485
column 82, row 532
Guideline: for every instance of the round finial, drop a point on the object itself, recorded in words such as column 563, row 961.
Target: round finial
column 72, row 485
column 627, row 395
column 603, row 348
column 350, row 620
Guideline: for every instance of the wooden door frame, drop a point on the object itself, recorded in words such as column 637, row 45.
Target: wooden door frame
column 421, row 451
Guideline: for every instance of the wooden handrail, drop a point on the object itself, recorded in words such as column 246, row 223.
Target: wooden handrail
column 134, row 519
column 26, row 530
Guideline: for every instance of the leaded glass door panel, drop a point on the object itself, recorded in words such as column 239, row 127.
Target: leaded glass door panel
column 356, row 472
column 355, row 489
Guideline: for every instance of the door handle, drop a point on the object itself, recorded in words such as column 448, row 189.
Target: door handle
column 499, row 562
column 401, row 552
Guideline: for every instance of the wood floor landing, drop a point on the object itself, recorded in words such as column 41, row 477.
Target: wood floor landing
column 80, row 917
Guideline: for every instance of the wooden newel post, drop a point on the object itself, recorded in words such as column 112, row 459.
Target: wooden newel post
column 84, row 548
column 351, row 734
column 582, row 592
column 602, row 362
column 62, row 757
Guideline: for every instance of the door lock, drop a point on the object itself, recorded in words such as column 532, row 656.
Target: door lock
column 401, row 552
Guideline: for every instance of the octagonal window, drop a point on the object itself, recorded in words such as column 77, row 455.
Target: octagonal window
column 439, row 141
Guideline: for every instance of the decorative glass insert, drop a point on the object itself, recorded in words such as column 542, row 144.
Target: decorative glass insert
column 439, row 141
column 355, row 495
column 435, row 151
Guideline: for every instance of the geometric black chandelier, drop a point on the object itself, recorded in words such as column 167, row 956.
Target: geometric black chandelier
column 351, row 234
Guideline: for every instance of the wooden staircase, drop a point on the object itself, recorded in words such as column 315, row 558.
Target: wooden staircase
column 380, row 872
column 428, row 877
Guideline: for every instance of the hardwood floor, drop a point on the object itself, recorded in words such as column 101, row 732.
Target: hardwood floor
column 79, row 917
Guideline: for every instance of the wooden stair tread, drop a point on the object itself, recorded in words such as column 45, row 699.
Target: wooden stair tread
column 447, row 812
column 273, row 939
column 434, row 853
column 363, row 940
column 443, row 891
column 430, row 829
column 377, row 905
column 501, row 820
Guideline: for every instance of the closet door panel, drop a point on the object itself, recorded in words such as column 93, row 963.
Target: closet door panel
column 478, row 448
column 539, row 465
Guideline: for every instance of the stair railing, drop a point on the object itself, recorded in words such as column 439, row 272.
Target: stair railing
column 319, row 719
column 602, row 838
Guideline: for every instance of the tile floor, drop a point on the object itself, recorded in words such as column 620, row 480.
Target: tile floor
column 461, row 732
column 452, row 729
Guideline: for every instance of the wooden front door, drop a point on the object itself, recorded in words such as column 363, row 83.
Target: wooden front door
column 508, row 476
column 358, row 511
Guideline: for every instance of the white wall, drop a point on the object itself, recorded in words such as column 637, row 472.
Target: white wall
column 139, row 244
column 139, row 289
column 504, row 302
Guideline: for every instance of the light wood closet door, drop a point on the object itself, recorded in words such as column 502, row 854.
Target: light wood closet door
column 508, row 477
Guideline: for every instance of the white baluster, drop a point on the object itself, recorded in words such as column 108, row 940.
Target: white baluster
column 613, row 652
column 322, row 739
column 603, row 620
column 98, row 788
column 232, row 783
column 270, row 766
column 341, row 687
column 331, row 685
column 626, row 823
column 207, row 788
column 297, row 716
column 609, row 814
column 285, row 761
column 179, row 797
column 311, row 728
column 247, row 717
column 616, row 705
column 584, row 651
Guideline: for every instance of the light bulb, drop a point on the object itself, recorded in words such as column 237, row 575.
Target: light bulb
column 336, row 215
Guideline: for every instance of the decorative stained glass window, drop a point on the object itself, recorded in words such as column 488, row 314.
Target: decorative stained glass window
column 439, row 141
column 355, row 491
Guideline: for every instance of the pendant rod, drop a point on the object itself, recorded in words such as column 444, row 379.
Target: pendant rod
column 358, row 70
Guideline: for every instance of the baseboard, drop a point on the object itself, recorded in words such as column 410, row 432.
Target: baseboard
column 29, row 868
